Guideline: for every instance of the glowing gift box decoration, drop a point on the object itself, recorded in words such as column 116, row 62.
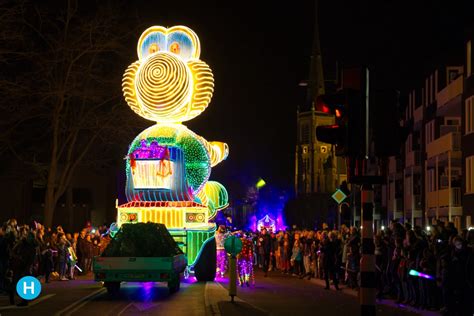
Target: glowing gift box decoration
column 167, row 165
column 153, row 174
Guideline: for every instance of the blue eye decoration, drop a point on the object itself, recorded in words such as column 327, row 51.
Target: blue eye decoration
column 179, row 40
column 180, row 43
column 153, row 43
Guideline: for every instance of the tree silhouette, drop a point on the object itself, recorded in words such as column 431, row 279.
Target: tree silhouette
column 62, row 104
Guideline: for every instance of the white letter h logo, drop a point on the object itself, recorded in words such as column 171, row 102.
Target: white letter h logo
column 31, row 287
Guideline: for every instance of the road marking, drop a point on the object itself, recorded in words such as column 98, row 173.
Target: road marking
column 219, row 294
column 212, row 306
column 124, row 309
column 33, row 303
column 68, row 310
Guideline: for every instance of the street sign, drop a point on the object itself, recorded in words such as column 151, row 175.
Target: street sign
column 233, row 245
column 339, row 196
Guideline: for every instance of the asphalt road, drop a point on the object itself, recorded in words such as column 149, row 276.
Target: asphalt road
column 276, row 295
column 88, row 298
column 287, row 295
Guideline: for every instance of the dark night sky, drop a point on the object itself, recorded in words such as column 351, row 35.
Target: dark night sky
column 259, row 53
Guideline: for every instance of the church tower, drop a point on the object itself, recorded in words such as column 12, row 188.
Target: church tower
column 317, row 169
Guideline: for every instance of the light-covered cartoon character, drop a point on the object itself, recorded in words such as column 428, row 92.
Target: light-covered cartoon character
column 167, row 163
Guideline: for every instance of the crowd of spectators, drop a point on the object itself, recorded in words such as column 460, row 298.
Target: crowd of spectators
column 431, row 269
column 46, row 253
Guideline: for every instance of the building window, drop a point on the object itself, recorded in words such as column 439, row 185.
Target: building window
column 468, row 59
column 469, row 115
column 453, row 121
column 429, row 131
column 409, row 144
column 470, row 174
column 453, row 74
column 432, row 92
column 305, row 134
column 431, row 180
column 408, row 186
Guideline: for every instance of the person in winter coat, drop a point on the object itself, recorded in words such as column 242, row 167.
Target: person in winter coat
column 88, row 254
column 80, row 250
column 265, row 249
column 63, row 256
column 353, row 257
column 329, row 252
column 297, row 258
column 285, row 253
column 23, row 257
column 461, row 283
column 307, row 254
column 47, row 258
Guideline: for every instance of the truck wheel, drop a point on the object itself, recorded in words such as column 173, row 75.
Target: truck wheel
column 113, row 288
column 174, row 284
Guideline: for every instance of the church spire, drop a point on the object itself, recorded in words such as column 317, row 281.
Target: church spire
column 316, row 78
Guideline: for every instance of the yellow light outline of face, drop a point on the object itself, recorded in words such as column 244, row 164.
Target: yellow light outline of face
column 163, row 30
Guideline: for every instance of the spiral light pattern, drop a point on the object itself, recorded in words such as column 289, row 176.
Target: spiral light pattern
column 163, row 88
column 163, row 85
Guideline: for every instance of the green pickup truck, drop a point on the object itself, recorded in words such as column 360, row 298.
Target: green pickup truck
column 113, row 270
column 162, row 261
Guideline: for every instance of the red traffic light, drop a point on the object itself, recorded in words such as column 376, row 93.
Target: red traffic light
column 331, row 104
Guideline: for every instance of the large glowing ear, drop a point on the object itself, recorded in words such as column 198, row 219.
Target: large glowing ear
column 182, row 41
column 128, row 88
column 151, row 41
column 203, row 87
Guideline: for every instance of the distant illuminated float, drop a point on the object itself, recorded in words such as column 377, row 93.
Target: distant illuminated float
column 168, row 165
column 266, row 222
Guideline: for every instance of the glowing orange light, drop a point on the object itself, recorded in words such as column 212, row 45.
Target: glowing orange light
column 338, row 113
column 174, row 48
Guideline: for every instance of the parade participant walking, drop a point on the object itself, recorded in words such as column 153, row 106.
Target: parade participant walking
column 245, row 263
column 221, row 253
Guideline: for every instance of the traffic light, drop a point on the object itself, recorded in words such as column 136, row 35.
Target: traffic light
column 349, row 129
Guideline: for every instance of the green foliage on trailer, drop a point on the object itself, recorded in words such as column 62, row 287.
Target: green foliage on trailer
column 142, row 240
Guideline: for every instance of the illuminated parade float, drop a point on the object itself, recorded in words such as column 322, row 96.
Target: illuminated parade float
column 167, row 165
